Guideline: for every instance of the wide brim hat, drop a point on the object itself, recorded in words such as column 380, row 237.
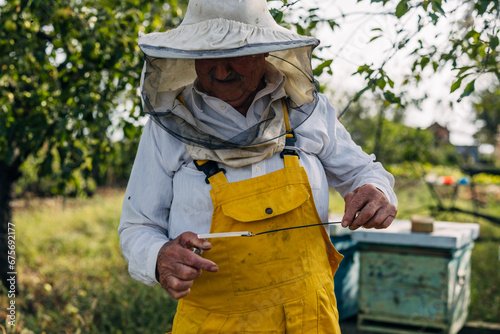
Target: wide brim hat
column 231, row 28
column 220, row 29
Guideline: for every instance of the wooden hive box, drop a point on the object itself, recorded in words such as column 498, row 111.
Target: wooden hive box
column 412, row 282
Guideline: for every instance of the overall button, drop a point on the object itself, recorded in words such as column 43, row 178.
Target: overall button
column 269, row 211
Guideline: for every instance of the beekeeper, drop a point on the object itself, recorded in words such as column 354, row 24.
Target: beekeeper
column 239, row 139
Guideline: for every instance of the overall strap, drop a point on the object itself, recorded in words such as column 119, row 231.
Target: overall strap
column 289, row 154
column 289, row 136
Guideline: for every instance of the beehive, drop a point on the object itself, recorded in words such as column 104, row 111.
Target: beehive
column 413, row 282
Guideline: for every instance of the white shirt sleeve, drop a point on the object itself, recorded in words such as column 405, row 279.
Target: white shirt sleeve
column 346, row 165
column 143, row 226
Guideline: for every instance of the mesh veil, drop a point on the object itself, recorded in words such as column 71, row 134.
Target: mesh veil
column 163, row 79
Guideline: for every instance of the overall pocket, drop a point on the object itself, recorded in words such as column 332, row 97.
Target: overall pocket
column 269, row 260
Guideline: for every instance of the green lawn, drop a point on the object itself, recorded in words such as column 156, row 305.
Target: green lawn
column 73, row 279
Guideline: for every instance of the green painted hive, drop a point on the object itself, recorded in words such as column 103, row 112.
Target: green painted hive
column 415, row 282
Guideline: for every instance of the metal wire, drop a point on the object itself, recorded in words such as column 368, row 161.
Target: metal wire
column 290, row 228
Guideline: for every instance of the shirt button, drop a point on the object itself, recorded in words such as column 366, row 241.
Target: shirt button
column 257, row 169
column 222, row 106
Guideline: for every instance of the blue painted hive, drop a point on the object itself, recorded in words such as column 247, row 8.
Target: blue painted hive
column 412, row 282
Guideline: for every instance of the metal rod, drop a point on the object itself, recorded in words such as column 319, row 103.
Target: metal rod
column 224, row 235
column 291, row 228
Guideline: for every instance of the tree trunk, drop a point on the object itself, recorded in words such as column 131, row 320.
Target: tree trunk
column 8, row 175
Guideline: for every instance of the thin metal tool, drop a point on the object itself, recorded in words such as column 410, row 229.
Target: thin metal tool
column 249, row 234
column 291, row 228
column 225, row 235
column 198, row 251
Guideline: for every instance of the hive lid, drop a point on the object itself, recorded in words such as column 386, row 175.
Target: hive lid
column 447, row 235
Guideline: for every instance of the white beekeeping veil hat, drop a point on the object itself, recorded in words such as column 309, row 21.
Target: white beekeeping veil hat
column 221, row 29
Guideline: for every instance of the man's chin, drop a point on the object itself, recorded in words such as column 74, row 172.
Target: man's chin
column 232, row 99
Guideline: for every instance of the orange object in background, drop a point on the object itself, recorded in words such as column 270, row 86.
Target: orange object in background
column 448, row 179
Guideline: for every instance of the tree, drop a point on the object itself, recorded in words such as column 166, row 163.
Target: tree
column 66, row 67
column 390, row 140
column 470, row 48
column 487, row 110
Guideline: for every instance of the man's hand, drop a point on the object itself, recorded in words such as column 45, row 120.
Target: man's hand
column 178, row 266
column 368, row 207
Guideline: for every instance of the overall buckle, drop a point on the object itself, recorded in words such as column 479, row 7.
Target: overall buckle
column 289, row 141
column 209, row 168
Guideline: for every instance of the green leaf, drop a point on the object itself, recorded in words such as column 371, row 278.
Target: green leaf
column 390, row 97
column 381, row 83
column 436, row 6
column 469, row 89
column 390, row 82
column 300, row 30
column 319, row 69
column 277, row 15
column 129, row 130
column 374, row 38
column 493, row 42
column 434, row 18
column 435, row 65
column 482, row 6
column 425, row 4
column 424, row 61
column 401, row 8
column 332, row 24
column 456, row 85
column 463, row 70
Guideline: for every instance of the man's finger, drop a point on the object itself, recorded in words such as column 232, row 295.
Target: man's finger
column 352, row 208
column 177, row 284
column 387, row 222
column 189, row 240
column 348, row 198
column 185, row 272
column 177, row 294
column 367, row 215
column 189, row 258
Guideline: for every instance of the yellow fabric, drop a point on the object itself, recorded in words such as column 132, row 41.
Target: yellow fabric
column 279, row 282
column 285, row 116
column 266, row 205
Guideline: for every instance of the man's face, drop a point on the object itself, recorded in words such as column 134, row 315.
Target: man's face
column 234, row 80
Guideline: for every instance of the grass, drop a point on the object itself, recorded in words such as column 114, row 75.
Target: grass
column 72, row 277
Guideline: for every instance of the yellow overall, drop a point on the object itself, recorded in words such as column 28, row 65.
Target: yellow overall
column 280, row 282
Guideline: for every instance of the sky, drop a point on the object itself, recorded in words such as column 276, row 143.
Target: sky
column 350, row 48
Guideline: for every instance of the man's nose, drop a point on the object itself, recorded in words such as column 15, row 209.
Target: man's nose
column 222, row 69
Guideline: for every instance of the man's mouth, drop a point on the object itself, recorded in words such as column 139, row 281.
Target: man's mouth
column 232, row 77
